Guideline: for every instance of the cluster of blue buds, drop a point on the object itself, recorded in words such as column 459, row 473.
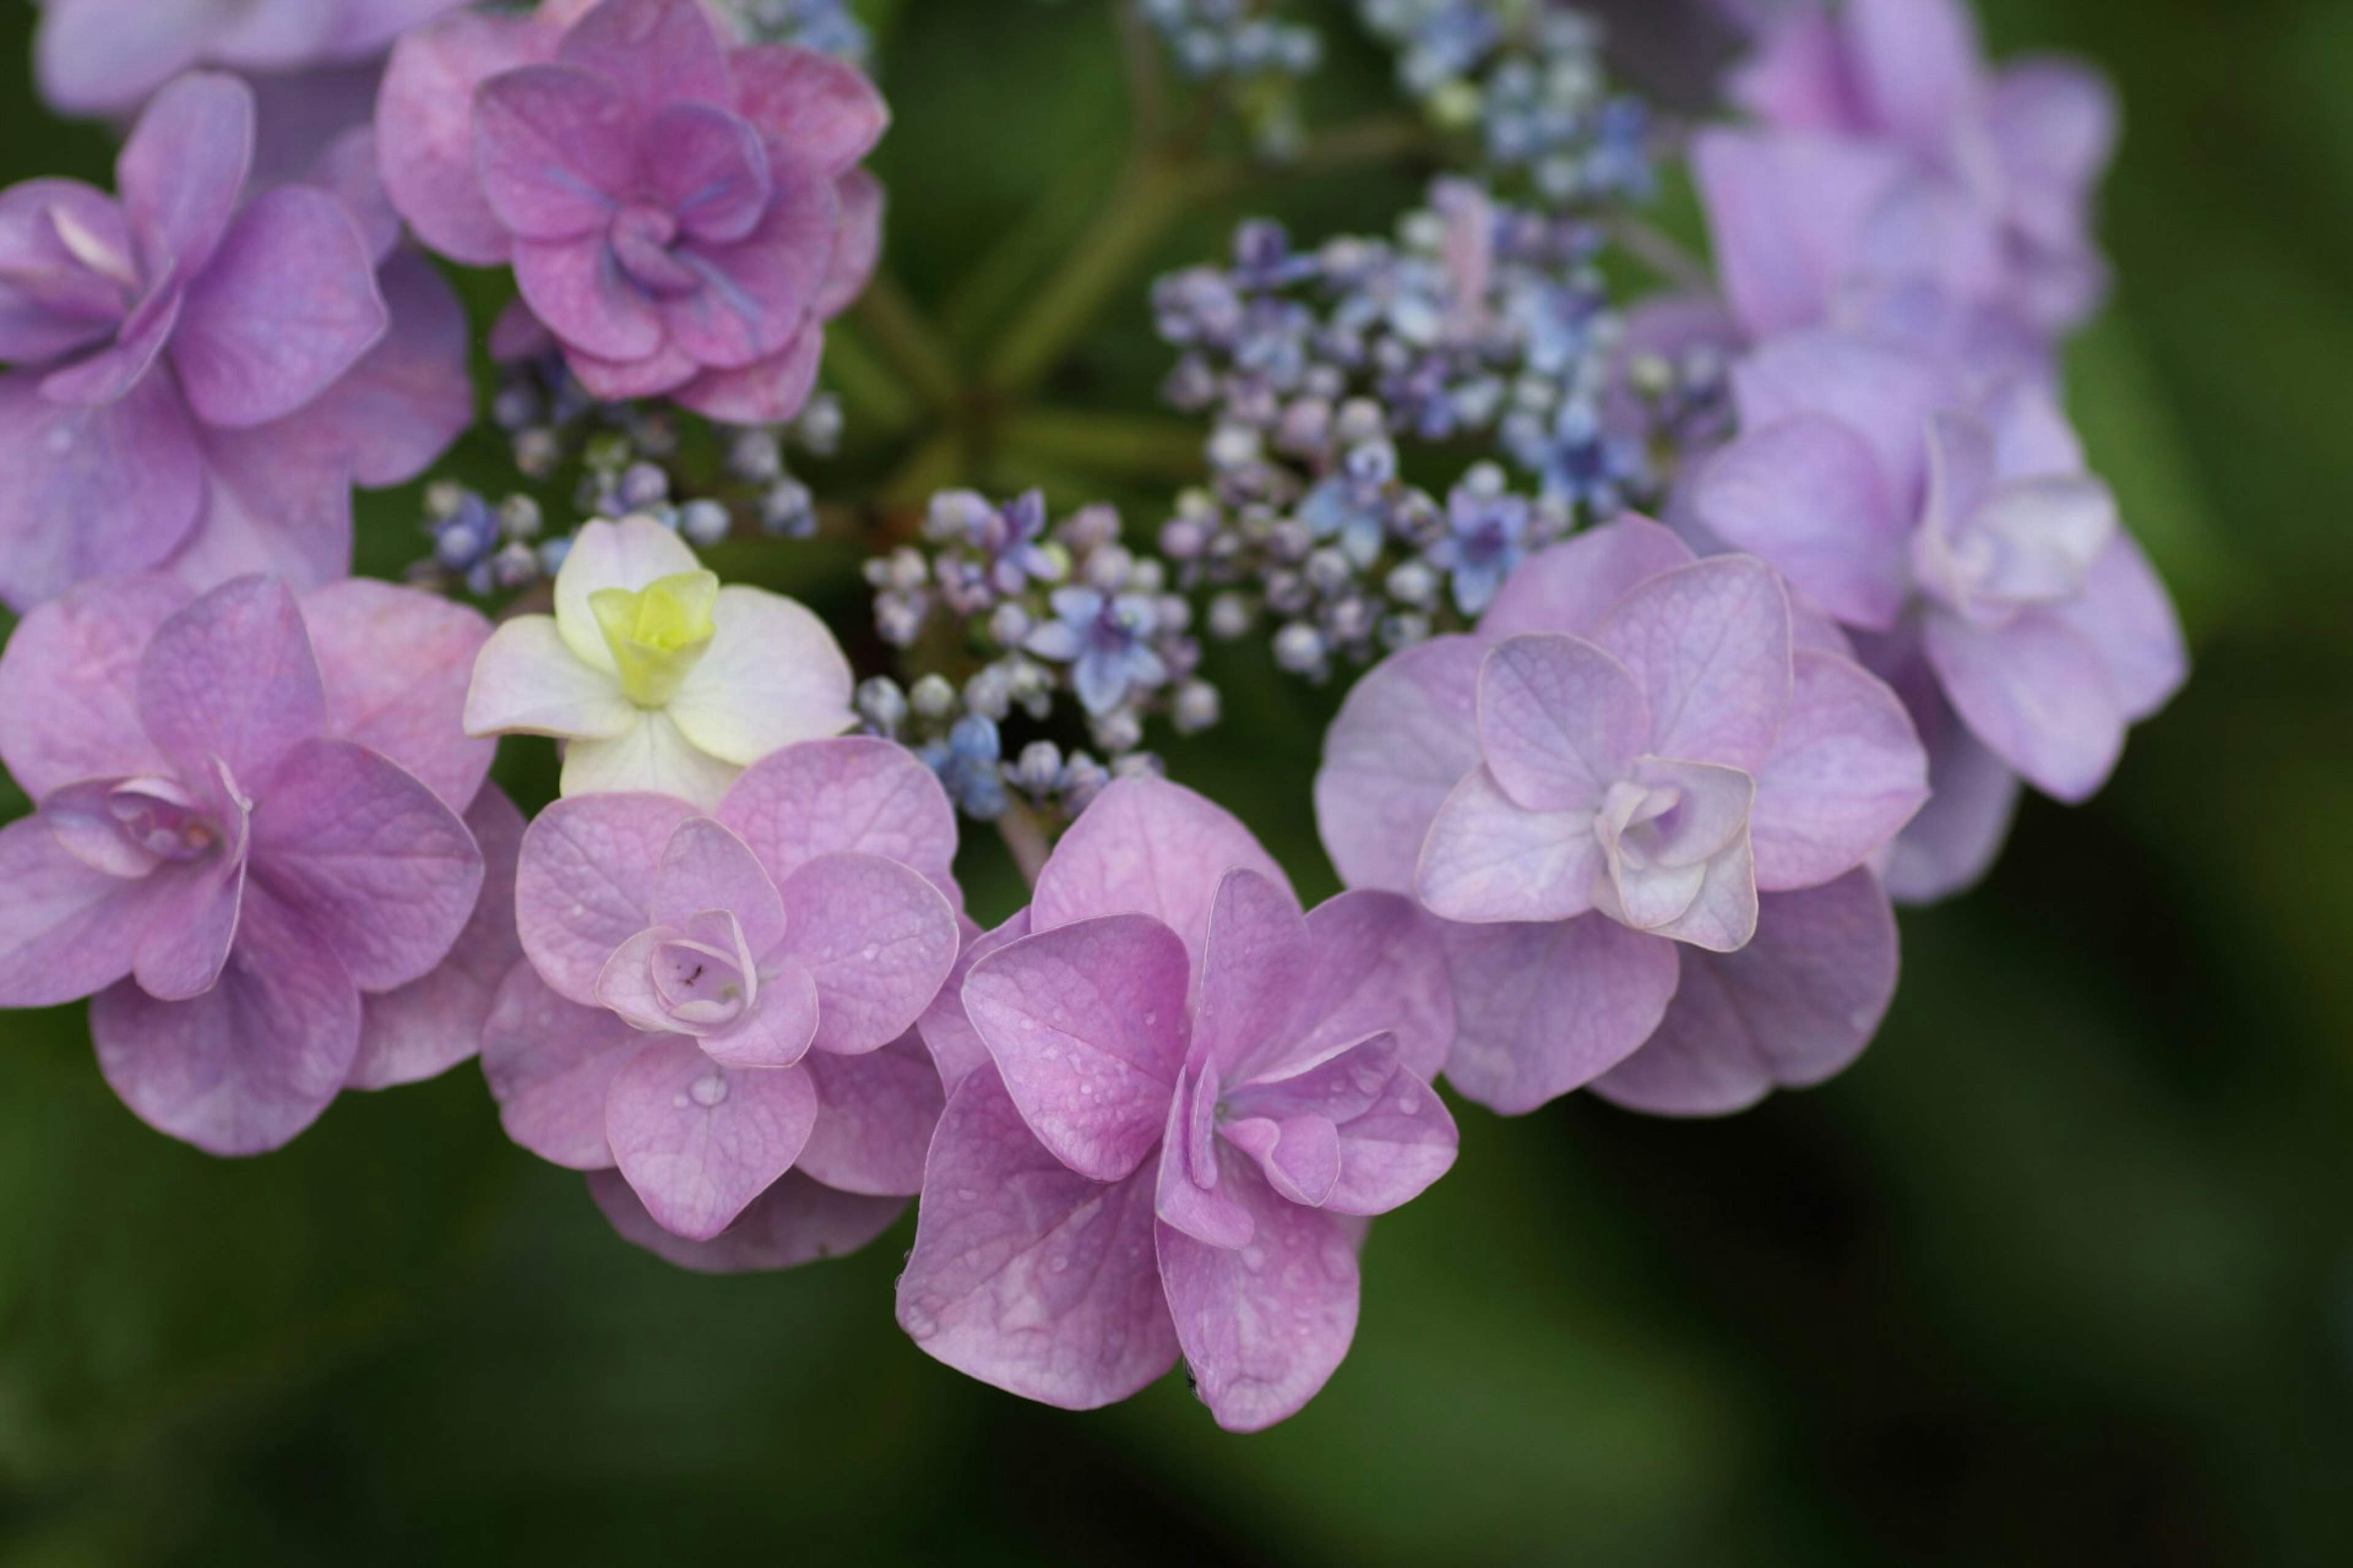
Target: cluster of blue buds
column 827, row 26
column 1526, row 76
column 1026, row 612
column 1247, row 48
column 1481, row 339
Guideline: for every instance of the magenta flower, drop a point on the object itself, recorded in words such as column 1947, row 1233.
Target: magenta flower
column 107, row 57
column 246, row 834
column 682, row 216
column 1898, row 179
column 198, row 383
column 715, row 1019
column 1641, row 796
column 1193, row 1093
column 1985, row 572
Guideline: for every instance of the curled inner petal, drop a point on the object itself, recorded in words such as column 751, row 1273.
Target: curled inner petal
column 658, row 634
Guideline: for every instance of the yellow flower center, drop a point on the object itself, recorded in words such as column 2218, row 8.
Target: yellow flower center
column 658, row 634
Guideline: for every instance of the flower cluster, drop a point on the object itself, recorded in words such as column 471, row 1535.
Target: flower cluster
column 1903, row 236
column 1027, row 612
column 1247, row 48
column 1526, row 76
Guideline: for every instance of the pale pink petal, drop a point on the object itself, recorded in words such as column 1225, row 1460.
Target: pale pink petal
column 1026, row 1275
column 396, row 664
column 779, row 1031
column 1568, row 587
column 854, row 794
column 2125, row 614
column 1087, row 1024
column 68, row 685
column 857, row 247
column 766, row 392
column 182, row 168
column 1545, row 1009
column 1258, row 948
column 875, row 1116
column 1807, row 495
column 288, row 304
column 91, row 492
column 2037, row 693
column 813, row 105
column 1709, row 644
column 232, row 677
column 1559, row 720
column 955, row 1045
column 704, row 867
column 550, row 1064
column 424, row 127
column 274, row 503
column 580, row 291
column 587, row 882
column 1148, row 846
column 662, row 50
column 380, row 869
column 1846, row 774
column 429, row 1026
column 772, row 676
column 557, row 149
column 880, row 941
column 1379, row 965
column 253, row 1061
column 699, row 1141
column 1392, row 1135
column 1490, row 858
column 1262, row 1326
column 67, row 930
column 795, row 1221
column 1404, row 737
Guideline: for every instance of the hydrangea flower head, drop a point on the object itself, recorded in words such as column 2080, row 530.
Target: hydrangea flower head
column 1984, row 571
column 162, row 341
column 681, row 215
column 718, row 1007
column 656, row 677
column 245, row 836
column 1190, row 1094
column 1645, row 767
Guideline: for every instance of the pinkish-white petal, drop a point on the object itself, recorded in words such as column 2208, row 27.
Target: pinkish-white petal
column 650, row 757
column 396, row 664
column 2037, row 693
column 880, row 941
column 1026, row 1275
column 699, row 1141
column 1148, row 846
column 1406, row 736
column 854, row 794
column 68, row 684
column 1846, row 774
column 1087, row 1024
column 1489, row 858
column 1544, row 1009
column 550, row 1064
column 631, row 553
column 1568, row 587
column 526, row 681
column 774, row 676
column 1709, row 644
column 1807, row 495
column 1559, row 720
column 587, row 882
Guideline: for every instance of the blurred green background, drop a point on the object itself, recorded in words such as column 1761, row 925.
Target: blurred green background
column 2060, row 1274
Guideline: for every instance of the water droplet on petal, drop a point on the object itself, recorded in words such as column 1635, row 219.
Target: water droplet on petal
column 1057, row 1265
column 870, row 952
column 709, row 1091
column 919, row 1323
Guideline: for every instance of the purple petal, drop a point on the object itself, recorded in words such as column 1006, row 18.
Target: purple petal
column 710, row 171
column 851, row 796
column 757, row 292
column 288, row 304
column 778, row 1032
column 192, row 917
column 773, row 676
column 580, row 291
column 1379, row 965
column 662, row 50
column 1392, row 1136
column 182, row 170
column 815, row 107
column 556, row 148
column 2054, row 123
column 371, row 857
column 1264, row 1326
column 1559, row 720
column 1846, row 774
column 2037, row 693
column 1882, row 393
column 1571, row 586
column 232, row 677
column 424, row 127
column 1087, row 1024
column 1299, row 1155
column 1490, row 858
column 875, row 1116
column 2125, row 614
column 91, row 492
column 429, row 1026
column 1406, row 736
column 1795, row 1006
column 253, row 1061
column 1189, row 1191
column 1786, row 211
column 1796, row 79
column 67, row 930
column 106, row 375
column 667, row 370
column 1709, row 644
column 1545, row 1009
column 68, row 685
column 347, row 170
column 955, row 1045
column 698, row 1140
column 880, row 941
column 400, row 407
column 67, row 271
column 551, row 1064
column 396, row 664
column 272, row 504
column 1806, row 494
column 704, row 867
column 1972, row 795
column 1026, row 1275
column 106, row 57
column 795, row 1221
column 766, row 392
column 857, row 248
column 587, row 882
column 1258, row 946
column 1916, row 65
column 1148, row 846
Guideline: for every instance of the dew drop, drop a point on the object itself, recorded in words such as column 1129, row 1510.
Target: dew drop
column 709, row 1091
column 919, row 1323
column 1057, row 1265
column 870, row 952
column 1409, row 1103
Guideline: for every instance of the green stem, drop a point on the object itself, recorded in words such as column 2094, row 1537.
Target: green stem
column 908, row 338
column 1142, row 446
